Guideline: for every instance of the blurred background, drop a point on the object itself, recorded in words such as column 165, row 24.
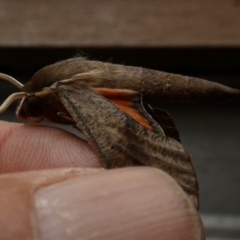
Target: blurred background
column 196, row 38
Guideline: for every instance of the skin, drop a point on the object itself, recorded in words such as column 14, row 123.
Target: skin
column 53, row 187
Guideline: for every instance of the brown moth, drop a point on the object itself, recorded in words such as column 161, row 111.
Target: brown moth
column 109, row 104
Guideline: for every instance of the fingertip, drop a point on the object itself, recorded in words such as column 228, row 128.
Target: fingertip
column 34, row 147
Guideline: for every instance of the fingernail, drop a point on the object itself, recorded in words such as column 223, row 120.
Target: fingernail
column 130, row 203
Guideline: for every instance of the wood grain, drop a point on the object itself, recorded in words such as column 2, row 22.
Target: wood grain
column 152, row 23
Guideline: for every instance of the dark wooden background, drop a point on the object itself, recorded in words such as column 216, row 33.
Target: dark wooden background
column 123, row 23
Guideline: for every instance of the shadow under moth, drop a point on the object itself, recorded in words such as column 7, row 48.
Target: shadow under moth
column 111, row 105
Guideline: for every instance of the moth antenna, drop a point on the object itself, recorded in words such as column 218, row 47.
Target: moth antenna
column 11, row 80
column 11, row 99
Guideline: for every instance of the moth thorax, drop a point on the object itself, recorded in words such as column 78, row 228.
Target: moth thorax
column 31, row 107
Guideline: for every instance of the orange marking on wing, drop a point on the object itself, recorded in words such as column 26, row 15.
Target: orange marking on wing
column 114, row 93
column 125, row 106
column 120, row 98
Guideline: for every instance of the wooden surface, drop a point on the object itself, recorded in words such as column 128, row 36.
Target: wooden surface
column 152, row 23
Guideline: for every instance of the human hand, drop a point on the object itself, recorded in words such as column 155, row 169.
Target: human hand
column 53, row 187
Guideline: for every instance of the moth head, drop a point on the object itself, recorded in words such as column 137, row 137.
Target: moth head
column 30, row 108
column 34, row 106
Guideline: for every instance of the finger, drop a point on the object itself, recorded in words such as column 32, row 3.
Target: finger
column 32, row 147
column 128, row 203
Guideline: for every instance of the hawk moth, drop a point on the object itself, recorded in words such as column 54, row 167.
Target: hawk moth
column 111, row 105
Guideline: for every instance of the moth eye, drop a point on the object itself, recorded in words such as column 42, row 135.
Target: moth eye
column 32, row 106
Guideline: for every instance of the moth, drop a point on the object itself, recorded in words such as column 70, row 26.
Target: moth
column 111, row 105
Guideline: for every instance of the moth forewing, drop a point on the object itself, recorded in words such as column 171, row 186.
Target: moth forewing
column 153, row 85
column 123, row 141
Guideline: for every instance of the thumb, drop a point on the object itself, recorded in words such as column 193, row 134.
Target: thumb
column 128, row 203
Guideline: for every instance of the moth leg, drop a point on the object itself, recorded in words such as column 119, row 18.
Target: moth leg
column 65, row 116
